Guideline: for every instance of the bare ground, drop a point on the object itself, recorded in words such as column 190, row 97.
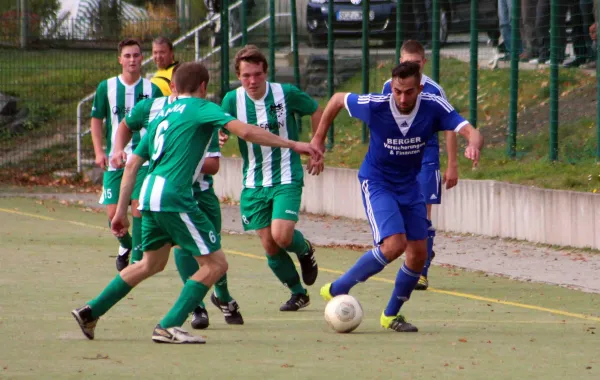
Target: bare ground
column 573, row 268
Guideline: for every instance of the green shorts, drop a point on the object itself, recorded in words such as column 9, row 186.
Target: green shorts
column 191, row 231
column 111, row 186
column 209, row 204
column 259, row 206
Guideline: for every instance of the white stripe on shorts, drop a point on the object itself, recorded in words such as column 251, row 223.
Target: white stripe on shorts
column 195, row 234
column 370, row 215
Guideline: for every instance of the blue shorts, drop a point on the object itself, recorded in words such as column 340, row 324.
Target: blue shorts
column 430, row 181
column 390, row 213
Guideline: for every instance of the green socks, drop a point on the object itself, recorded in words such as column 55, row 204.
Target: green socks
column 187, row 265
column 192, row 293
column 113, row 293
column 136, row 252
column 282, row 265
column 298, row 245
column 221, row 289
column 125, row 241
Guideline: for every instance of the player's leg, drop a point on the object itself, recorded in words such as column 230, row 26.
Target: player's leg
column 430, row 182
column 209, row 204
column 416, row 224
column 157, row 246
column 286, row 209
column 111, row 186
column 196, row 235
column 388, row 230
column 136, row 225
column 187, row 265
column 256, row 208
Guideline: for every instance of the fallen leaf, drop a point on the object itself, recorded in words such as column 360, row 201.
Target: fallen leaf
column 463, row 340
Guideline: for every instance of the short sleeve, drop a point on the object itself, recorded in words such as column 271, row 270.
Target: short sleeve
column 449, row 119
column 228, row 106
column 358, row 106
column 387, row 87
column 215, row 116
column 299, row 101
column 157, row 92
column 136, row 118
column 143, row 148
column 100, row 102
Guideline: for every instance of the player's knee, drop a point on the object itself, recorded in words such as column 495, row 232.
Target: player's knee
column 152, row 267
column 283, row 239
column 393, row 247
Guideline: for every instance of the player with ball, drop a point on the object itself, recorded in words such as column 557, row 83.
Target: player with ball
column 400, row 123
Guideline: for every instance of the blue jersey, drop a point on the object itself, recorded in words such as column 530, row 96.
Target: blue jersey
column 431, row 157
column 398, row 141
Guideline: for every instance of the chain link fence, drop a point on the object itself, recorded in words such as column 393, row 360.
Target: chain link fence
column 507, row 77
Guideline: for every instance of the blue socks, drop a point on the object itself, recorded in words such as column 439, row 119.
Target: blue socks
column 430, row 237
column 369, row 264
column 406, row 279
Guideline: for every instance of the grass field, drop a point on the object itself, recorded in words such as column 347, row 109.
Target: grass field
column 54, row 258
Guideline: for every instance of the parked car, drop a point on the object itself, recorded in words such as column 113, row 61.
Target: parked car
column 347, row 23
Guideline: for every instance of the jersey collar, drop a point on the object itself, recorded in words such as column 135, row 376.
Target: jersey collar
column 128, row 85
column 404, row 122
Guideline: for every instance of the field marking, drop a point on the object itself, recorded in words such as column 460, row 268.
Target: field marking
column 375, row 278
column 447, row 292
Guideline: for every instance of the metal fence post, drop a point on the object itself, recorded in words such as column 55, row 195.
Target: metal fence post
column 365, row 62
column 435, row 41
column 224, row 47
column 244, row 22
column 399, row 27
column 553, row 80
column 330, row 68
column 272, row 40
column 474, row 63
column 24, row 22
column 514, row 78
column 295, row 54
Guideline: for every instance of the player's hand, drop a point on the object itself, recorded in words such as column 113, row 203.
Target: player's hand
column 472, row 153
column 223, row 137
column 119, row 225
column 450, row 176
column 102, row 160
column 118, row 160
column 315, row 168
column 594, row 31
column 309, row 150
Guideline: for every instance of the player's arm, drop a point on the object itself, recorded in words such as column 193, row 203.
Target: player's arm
column 120, row 222
column 122, row 138
column 259, row 136
column 315, row 119
column 210, row 165
column 333, row 107
column 96, row 129
column 451, row 175
column 475, row 142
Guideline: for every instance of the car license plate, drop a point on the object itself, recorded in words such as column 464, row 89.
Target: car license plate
column 349, row 15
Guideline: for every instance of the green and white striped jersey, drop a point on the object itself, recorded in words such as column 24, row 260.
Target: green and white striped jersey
column 176, row 144
column 113, row 101
column 266, row 166
column 146, row 111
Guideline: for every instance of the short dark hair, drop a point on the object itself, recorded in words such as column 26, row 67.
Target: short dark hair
column 252, row 54
column 128, row 42
column 190, row 75
column 413, row 47
column 175, row 68
column 406, row 70
column 163, row 41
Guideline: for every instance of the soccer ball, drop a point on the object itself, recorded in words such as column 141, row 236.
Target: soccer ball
column 343, row 313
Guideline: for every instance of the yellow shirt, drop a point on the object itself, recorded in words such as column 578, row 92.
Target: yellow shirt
column 162, row 78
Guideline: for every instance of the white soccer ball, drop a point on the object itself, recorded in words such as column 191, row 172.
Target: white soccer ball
column 343, row 313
